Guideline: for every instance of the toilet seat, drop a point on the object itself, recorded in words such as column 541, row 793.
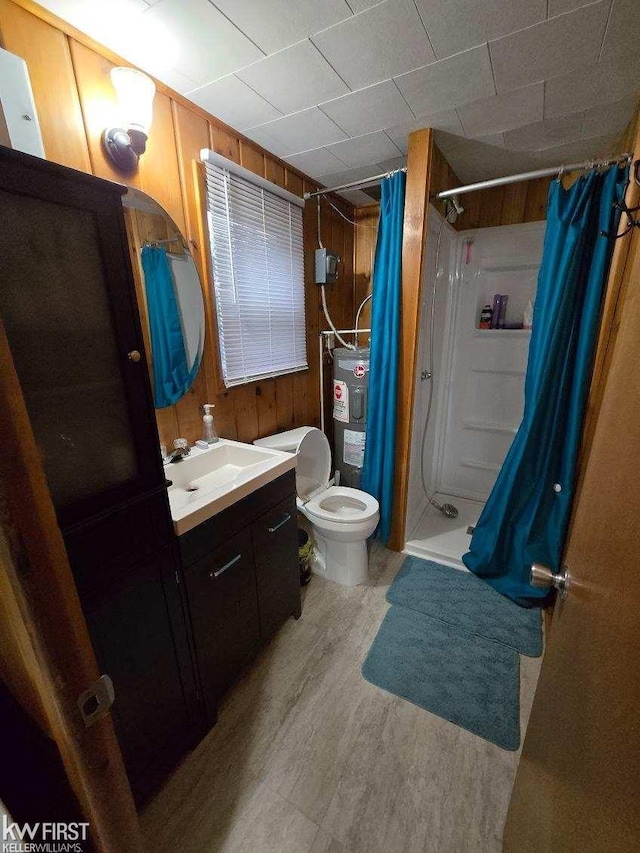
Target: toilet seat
column 342, row 504
column 342, row 518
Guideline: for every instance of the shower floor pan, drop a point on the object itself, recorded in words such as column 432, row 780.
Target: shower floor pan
column 441, row 539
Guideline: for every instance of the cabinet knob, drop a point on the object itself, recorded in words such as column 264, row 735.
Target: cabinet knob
column 134, row 355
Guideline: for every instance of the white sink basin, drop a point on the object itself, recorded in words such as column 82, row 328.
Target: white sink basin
column 208, row 481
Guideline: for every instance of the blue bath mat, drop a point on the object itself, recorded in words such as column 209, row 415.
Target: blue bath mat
column 470, row 681
column 468, row 602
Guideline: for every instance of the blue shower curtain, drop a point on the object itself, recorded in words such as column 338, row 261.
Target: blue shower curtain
column 525, row 519
column 171, row 374
column 379, row 454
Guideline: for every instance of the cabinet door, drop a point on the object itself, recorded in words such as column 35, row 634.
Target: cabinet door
column 221, row 589
column 135, row 643
column 68, row 306
column 275, row 542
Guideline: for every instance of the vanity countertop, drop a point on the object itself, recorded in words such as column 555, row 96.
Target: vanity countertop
column 209, row 481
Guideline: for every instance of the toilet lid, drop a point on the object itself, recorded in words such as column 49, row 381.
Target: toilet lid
column 342, row 503
column 313, row 464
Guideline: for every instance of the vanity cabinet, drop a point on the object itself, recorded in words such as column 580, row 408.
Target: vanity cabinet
column 67, row 303
column 242, row 581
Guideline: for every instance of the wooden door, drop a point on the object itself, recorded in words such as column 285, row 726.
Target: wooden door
column 578, row 782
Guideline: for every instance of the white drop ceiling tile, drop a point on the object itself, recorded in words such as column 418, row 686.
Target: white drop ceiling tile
column 447, row 120
column 461, row 79
column 590, row 87
column 274, row 24
column 494, row 139
column 393, row 164
column 358, row 198
column 210, row 45
column 304, row 131
column 346, row 176
column 362, row 5
column 545, row 134
column 117, row 25
column 80, row 13
column 231, row 100
column 500, row 17
column 503, row 112
column 294, row 78
column 453, row 26
column 472, row 160
column 169, row 76
column 369, row 109
column 559, row 7
column 623, row 30
column 550, row 48
column 610, row 118
column 320, row 161
column 458, row 25
column 375, row 45
column 364, row 150
column 263, row 138
column 579, row 151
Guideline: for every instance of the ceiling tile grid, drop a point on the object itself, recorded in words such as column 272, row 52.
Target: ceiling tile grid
column 336, row 86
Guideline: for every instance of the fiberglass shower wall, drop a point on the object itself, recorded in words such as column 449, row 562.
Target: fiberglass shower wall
column 478, row 374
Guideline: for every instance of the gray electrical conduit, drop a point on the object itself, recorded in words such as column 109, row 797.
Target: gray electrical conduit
column 324, row 296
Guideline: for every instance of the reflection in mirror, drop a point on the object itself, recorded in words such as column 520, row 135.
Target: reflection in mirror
column 170, row 292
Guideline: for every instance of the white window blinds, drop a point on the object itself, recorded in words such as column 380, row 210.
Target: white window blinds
column 255, row 229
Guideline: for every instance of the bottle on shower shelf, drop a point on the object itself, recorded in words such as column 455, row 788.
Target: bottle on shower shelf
column 485, row 317
column 495, row 311
column 502, row 319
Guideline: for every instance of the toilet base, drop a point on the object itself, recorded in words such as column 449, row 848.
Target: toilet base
column 346, row 563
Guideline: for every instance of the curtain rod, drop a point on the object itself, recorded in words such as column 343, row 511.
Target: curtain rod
column 529, row 176
column 366, row 182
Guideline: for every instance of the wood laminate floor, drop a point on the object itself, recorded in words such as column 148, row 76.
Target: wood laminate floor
column 308, row 757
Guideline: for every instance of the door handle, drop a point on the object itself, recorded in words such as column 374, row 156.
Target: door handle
column 280, row 524
column 543, row 578
column 226, row 566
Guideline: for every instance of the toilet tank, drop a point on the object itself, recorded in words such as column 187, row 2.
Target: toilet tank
column 350, row 386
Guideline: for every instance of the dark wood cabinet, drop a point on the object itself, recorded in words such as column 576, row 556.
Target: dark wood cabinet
column 136, row 626
column 275, row 544
column 172, row 621
column 67, row 303
column 242, row 581
column 224, row 614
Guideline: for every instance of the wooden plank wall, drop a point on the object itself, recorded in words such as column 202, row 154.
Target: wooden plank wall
column 74, row 99
column 525, row 201
column 366, row 235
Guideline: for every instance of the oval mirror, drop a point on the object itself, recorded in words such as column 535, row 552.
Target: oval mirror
column 169, row 294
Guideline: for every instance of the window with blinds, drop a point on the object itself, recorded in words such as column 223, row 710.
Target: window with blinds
column 255, row 230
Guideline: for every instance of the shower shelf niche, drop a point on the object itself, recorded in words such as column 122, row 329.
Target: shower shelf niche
column 501, row 333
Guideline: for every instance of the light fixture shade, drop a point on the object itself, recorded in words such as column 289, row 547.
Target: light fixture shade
column 135, row 92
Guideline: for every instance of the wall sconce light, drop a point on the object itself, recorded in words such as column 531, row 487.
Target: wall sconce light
column 126, row 143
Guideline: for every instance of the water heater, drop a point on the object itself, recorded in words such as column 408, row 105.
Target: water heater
column 350, row 381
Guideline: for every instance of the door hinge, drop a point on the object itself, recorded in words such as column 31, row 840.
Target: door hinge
column 177, row 577
column 95, row 702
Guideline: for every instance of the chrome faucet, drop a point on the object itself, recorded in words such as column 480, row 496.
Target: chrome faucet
column 180, row 450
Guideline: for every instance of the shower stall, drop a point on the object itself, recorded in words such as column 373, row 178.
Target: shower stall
column 477, row 375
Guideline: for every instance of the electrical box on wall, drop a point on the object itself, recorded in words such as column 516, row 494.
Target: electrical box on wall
column 326, row 266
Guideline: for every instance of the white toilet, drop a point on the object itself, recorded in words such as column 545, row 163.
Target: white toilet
column 342, row 518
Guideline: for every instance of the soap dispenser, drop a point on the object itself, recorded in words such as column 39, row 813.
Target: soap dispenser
column 209, row 435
